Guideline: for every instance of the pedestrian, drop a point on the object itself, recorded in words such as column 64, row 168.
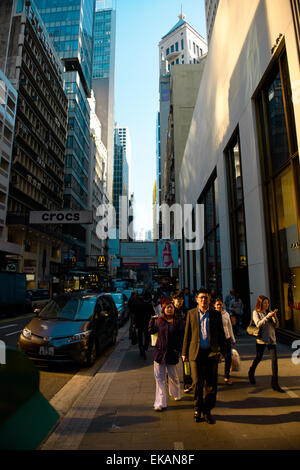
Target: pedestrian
column 131, row 311
column 229, row 297
column 229, row 339
column 236, row 308
column 143, row 311
column 181, row 312
column 188, row 300
column 213, row 296
column 166, row 354
column 203, row 339
column 266, row 320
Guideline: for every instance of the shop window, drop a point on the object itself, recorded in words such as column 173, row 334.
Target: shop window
column 239, row 260
column 280, row 178
column 210, row 254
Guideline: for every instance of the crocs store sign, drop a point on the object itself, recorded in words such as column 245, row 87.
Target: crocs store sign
column 61, row 217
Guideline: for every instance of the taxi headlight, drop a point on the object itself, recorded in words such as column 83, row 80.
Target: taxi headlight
column 26, row 333
column 79, row 336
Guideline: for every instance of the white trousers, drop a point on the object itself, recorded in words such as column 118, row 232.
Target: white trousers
column 160, row 379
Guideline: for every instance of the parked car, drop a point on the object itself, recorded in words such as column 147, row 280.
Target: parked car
column 71, row 328
column 36, row 298
column 121, row 303
column 127, row 293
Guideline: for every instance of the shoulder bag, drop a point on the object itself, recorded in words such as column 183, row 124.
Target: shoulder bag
column 253, row 330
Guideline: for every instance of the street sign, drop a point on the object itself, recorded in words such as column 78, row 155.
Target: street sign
column 61, row 217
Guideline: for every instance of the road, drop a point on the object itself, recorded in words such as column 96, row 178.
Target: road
column 53, row 377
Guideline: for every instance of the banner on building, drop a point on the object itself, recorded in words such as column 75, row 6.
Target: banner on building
column 167, row 254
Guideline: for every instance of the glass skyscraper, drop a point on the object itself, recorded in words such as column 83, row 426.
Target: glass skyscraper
column 104, row 76
column 70, row 24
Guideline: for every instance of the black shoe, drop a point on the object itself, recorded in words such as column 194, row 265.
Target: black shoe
column 251, row 377
column 197, row 416
column 278, row 389
column 188, row 388
column 209, row 418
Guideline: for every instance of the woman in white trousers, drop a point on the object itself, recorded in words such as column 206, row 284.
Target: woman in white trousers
column 166, row 354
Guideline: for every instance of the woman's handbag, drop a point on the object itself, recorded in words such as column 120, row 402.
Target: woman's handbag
column 253, row 330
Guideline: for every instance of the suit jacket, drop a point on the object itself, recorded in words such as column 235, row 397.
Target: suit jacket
column 191, row 342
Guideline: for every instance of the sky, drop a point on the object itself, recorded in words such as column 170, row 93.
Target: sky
column 140, row 26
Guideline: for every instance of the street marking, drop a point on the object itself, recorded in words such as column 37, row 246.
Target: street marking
column 8, row 326
column 290, row 393
column 178, row 446
column 14, row 333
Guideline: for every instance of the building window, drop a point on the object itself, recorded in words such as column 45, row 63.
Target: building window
column 172, row 48
column 176, row 46
column 182, row 44
column 281, row 195
column 167, row 51
column 210, row 254
column 239, row 261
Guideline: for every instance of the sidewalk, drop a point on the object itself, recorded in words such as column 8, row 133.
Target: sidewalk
column 115, row 411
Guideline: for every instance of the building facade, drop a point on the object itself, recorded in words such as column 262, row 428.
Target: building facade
column 104, row 77
column 37, row 170
column 211, row 7
column 70, row 25
column 8, row 109
column 97, row 194
column 121, row 177
column 245, row 156
column 182, row 45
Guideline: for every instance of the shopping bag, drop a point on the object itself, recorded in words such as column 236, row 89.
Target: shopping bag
column 187, row 368
column 235, row 360
column 154, row 339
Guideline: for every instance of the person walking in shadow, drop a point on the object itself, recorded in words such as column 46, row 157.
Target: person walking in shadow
column 203, row 339
column 142, row 312
column 229, row 339
column 266, row 320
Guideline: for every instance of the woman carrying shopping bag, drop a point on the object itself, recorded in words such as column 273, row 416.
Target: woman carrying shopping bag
column 266, row 321
column 230, row 339
column 166, row 354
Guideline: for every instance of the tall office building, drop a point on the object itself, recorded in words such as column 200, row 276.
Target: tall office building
column 121, row 173
column 181, row 45
column 34, row 69
column 8, row 108
column 211, row 7
column 104, row 77
column 70, row 24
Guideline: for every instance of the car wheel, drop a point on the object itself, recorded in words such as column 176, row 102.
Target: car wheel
column 92, row 353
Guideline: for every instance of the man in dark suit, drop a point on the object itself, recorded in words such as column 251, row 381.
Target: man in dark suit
column 204, row 338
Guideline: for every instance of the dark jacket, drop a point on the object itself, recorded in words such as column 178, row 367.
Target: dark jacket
column 181, row 312
column 142, row 312
column 191, row 342
column 169, row 341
